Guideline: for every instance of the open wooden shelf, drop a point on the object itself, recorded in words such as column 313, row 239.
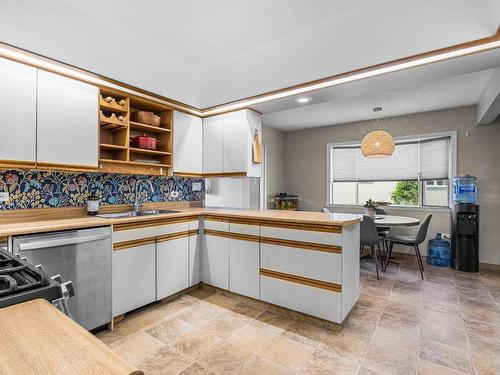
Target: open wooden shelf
column 148, row 128
column 148, row 152
column 116, row 154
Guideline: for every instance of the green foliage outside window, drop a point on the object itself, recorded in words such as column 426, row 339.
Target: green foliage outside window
column 406, row 193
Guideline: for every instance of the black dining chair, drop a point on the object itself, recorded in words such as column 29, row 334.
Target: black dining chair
column 412, row 241
column 368, row 236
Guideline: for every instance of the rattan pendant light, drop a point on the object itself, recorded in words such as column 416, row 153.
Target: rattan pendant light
column 377, row 143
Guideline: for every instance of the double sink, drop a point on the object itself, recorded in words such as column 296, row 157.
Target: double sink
column 119, row 215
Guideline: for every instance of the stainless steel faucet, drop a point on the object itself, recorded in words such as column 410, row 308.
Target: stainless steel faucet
column 137, row 205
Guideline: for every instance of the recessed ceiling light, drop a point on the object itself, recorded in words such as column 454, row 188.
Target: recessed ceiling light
column 303, row 99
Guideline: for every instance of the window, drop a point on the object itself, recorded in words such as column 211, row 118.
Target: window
column 417, row 174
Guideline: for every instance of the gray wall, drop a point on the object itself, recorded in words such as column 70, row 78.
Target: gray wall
column 275, row 141
column 478, row 154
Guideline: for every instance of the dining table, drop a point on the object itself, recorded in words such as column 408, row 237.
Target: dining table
column 395, row 221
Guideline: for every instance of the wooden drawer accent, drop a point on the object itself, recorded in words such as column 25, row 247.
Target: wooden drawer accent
column 216, row 233
column 134, row 243
column 302, row 280
column 302, row 245
column 301, row 226
column 236, row 220
column 216, row 218
column 152, row 223
column 172, row 236
column 193, row 232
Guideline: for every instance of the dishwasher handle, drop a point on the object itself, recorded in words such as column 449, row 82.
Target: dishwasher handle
column 61, row 242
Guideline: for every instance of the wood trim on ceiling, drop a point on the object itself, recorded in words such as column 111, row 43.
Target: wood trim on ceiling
column 332, row 287
column 302, row 245
column 438, row 55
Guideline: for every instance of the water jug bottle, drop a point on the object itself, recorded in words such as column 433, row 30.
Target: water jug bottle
column 465, row 189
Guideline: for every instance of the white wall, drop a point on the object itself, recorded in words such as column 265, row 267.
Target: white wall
column 232, row 192
column 274, row 140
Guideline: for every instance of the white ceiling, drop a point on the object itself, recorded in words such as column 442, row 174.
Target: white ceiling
column 207, row 52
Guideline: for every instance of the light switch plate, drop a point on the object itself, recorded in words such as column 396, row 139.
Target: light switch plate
column 174, row 194
column 196, row 186
column 4, row 196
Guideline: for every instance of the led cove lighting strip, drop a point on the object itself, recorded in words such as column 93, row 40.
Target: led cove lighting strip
column 334, row 81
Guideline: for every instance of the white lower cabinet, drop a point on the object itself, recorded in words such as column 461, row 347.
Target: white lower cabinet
column 133, row 278
column 171, row 266
column 244, row 267
column 306, row 299
column 216, row 261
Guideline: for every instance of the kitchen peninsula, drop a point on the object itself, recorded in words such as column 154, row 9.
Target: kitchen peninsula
column 304, row 261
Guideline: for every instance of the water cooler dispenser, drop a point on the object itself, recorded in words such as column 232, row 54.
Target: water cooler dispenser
column 465, row 240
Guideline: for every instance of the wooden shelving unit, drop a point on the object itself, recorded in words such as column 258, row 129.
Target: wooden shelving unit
column 116, row 130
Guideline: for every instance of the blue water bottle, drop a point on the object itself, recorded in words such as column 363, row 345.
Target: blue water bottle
column 465, row 189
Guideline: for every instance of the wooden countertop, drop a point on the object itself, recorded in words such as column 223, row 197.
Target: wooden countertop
column 12, row 225
column 36, row 338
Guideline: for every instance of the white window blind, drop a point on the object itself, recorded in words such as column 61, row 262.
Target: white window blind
column 435, row 159
column 427, row 158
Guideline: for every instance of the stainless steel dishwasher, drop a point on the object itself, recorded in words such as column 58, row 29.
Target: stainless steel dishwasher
column 82, row 256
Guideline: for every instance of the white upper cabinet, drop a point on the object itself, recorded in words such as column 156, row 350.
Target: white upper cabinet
column 213, row 144
column 67, row 121
column 228, row 143
column 188, row 143
column 17, row 112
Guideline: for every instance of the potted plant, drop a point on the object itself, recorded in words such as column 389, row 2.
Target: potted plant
column 370, row 207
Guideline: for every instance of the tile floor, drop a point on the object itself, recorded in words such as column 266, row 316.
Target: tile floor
column 447, row 324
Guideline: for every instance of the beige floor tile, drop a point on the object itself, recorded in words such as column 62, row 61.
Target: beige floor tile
column 247, row 310
column 222, row 301
column 196, row 342
column 197, row 314
column 173, row 308
column 164, row 362
column 442, row 319
column 442, row 306
column 225, row 359
column 252, row 337
column 202, row 292
column 430, row 368
column 444, row 334
column 196, row 369
column 381, row 359
column 275, row 323
column 255, row 365
column 144, row 317
column 324, row 363
column 287, row 353
column 486, row 364
column 365, row 371
column 370, row 302
column 305, row 332
column 360, row 328
column 365, row 314
column 169, row 330
column 407, row 310
column 400, row 323
column 395, row 341
column 445, row 355
column 345, row 346
column 225, row 324
column 137, row 347
column 483, row 315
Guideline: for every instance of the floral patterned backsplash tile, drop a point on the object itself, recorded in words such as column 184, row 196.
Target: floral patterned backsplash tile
column 36, row 189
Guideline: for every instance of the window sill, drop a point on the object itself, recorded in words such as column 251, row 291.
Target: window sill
column 393, row 208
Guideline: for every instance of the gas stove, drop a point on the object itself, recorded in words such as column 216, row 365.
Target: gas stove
column 20, row 281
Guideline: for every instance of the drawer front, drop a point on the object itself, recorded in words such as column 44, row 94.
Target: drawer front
column 171, row 266
column 146, row 232
column 320, row 265
column 308, row 300
column 252, row 230
column 216, row 261
column 216, row 225
column 327, row 238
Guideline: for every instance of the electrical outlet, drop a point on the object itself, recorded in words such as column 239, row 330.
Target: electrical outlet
column 174, row 194
column 196, row 186
column 4, row 196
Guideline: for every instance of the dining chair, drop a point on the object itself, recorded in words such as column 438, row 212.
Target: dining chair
column 411, row 241
column 368, row 236
column 325, row 210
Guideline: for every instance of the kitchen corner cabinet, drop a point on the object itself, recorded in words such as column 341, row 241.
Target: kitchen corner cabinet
column 216, row 253
column 228, row 143
column 17, row 113
column 188, row 144
column 195, row 249
column 133, row 277
column 67, row 121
